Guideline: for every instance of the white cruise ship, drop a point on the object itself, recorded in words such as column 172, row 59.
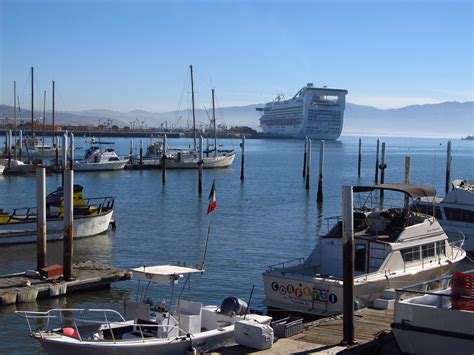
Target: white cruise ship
column 313, row 112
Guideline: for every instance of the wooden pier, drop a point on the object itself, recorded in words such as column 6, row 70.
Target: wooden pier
column 27, row 287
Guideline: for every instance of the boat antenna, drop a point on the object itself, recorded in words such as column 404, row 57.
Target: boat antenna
column 194, row 114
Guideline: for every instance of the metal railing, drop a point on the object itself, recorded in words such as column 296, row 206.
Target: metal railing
column 286, row 264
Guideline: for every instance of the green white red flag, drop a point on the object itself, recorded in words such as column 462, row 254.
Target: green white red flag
column 212, row 198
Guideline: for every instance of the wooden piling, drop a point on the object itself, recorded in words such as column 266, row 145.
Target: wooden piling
column 376, row 181
column 163, row 160
column 41, row 253
column 64, row 158
column 68, row 235
column 359, row 163
column 242, row 159
column 448, row 167
column 130, row 156
column 407, row 180
column 71, row 151
column 308, row 165
column 305, row 156
column 348, row 265
column 9, row 148
column 321, row 171
column 141, row 151
column 56, row 157
column 382, row 167
column 200, row 163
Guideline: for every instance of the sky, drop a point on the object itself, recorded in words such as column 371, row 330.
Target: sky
column 124, row 55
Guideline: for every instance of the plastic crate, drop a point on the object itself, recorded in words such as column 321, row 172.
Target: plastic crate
column 462, row 291
column 287, row 327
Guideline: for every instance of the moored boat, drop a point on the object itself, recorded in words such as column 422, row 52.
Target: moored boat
column 146, row 329
column 92, row 216
column 394, row 247
column 98, row 158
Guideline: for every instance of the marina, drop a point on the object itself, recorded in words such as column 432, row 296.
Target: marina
column 296, row 218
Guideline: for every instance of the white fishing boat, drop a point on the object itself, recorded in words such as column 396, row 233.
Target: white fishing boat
column 92, row 216
column 455, row 211
column 15, row 166
column 313, row 112
column 394, row 247
column 98, row 158
column 185, row 328
column 436, row 317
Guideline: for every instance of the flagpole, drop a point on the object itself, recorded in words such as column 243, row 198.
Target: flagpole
column 207, row 241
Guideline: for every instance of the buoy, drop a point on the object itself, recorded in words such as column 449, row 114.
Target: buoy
column 71, row 332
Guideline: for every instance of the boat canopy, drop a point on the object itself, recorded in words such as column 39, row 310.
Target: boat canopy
column 165, row 274
column 413, row 191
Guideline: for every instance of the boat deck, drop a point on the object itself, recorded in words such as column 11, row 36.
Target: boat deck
column 19, row 288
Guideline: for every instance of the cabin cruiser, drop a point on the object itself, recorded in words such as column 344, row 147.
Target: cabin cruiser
column 394, row 247
column 455, row 211
column 92, row 216
column 98, row 158
column 436, row 317
column 146, row 329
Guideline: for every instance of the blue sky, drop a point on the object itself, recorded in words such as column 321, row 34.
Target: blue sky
column 124, row 55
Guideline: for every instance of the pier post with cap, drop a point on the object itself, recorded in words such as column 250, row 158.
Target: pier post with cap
column 71, row 151
column 130, row 153
column 448, row 167
column 308, row 165
column 68, row 235
column 376, row 181
column 242, row 159
column 141, row 151
column 64, row 158
column 348, row 265
column 200, row 163
column 321, row 171
column 20, row 146
column 9, row 148
column 407, row 180
column 305, row 156
column 41, row 253
column 163, row 160
column 359, row 162
column 383, row 166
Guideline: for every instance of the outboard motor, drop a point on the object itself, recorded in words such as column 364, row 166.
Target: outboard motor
column 233, row 305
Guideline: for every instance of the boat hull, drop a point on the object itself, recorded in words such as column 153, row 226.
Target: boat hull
column 25, row 232
column 221, row 161
column 103, row 166
column 59, row 345
column 324, row 297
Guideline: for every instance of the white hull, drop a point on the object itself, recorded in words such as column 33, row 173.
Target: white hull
column 150, row 346
column 221, row 161
column 323, row 297
column 102, row 166
column 2, row 168
column 25, row 232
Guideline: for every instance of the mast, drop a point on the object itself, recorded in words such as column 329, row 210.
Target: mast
column 32, row 106
column 194, row 115
column 214, row 122
column 52, row 113
column 44, row 121
column 14, row 114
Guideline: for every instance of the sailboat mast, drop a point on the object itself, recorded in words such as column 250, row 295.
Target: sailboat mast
column 192, row 99
column 214, row 121
column 14, row 114
column 32, row 106
column 52, row 113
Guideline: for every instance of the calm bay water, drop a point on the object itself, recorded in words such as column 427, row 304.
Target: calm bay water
column 266, row 219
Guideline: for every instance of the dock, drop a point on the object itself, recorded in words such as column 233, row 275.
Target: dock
column 28, row 286
column 324, row 336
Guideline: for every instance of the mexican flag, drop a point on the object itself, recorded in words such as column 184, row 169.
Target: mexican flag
column 212, row 198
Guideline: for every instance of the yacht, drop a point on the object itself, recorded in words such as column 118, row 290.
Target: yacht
column 394, row 247
column 437, row 316
column 455, row 211
column 98, row 158
column 317, row 113
column 185, row 328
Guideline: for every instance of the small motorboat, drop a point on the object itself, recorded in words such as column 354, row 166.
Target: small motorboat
column 146, row 328
column 92, row 216
column 98, row 158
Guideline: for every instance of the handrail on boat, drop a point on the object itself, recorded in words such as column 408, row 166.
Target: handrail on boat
column 299, row 260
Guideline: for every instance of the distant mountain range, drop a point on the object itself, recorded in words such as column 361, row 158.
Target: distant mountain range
column 447, row 119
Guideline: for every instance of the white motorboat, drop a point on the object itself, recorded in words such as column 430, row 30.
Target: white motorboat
column 92, row 216
column 15, row 166
column 436, row 317
column 189, row 326
column 393, row 248
column 455, row 211
column 2, row 168
column 98, row 158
